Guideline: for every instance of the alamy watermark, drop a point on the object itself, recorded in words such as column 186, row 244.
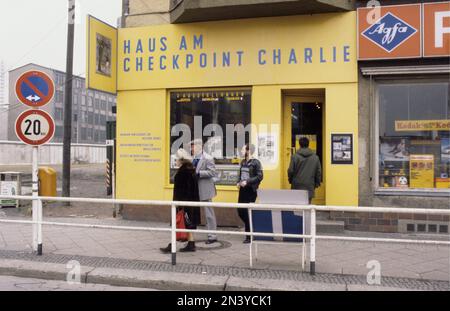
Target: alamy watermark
column 374, row 15
column 225, row 141
column 74, row 275
column 374, row 274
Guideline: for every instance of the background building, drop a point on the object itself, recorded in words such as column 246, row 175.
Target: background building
column 405, row 88
column 91, row 109
column 3, row 122
column 3, row 104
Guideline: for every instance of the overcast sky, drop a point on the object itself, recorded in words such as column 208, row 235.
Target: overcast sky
column 35, row 31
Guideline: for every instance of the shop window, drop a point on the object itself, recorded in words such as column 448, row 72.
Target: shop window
column 414, row 140
column 217, row 110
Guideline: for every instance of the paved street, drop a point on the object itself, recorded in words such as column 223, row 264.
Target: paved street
column 140, row 250
column 424, row 262
column 10, row 283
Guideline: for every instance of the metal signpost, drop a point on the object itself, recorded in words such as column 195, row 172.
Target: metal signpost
column 35, row 127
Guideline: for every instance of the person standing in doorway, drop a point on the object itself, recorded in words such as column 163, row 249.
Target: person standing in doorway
column 305, row 171
column 250, row 177
column 206, row 172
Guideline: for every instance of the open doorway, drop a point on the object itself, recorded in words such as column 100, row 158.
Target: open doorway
column 304, row 117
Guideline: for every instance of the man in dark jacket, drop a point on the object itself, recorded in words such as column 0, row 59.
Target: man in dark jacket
column 250, row 177
column 305, row 172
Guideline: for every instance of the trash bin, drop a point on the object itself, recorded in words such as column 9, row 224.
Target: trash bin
column 10, row 185
column 47, row 182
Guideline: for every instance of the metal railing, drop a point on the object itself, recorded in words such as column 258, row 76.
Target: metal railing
column 37, row 220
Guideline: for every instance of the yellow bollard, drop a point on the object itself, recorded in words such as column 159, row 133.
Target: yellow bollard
column 47, row 182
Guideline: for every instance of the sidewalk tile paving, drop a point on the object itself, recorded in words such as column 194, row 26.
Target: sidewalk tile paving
column 336, row 257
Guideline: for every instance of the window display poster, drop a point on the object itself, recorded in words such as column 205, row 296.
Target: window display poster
column 214, row 147
column 342, row 148
column 422, row 171
column 267, row 149
column 445, row 150
column 394, row 149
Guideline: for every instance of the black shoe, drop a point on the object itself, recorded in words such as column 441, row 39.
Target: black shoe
column 190, row 247
column 167, row 249
column 247, row 240
column 211, row 241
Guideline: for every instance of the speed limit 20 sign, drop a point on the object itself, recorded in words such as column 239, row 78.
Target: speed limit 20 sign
column 35, row 127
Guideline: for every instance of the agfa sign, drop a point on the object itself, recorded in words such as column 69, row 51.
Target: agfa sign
column 389, row 32
column 404, row 31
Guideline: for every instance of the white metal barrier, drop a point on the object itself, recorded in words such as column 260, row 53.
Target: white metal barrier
column 37, row 221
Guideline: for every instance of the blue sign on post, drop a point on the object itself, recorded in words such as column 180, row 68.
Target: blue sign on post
column 35, row 89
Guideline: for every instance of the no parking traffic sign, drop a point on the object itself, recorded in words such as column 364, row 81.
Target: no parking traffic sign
column 35, row 127
column 35, row 88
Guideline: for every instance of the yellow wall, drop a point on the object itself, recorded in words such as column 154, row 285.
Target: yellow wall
column 341, row 117
column 143, row 104
column 146, row 112
column 140, row 112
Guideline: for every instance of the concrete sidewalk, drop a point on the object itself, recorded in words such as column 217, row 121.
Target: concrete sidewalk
column 135, row 257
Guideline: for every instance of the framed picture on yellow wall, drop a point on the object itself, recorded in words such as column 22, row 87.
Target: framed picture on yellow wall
column 342, row 148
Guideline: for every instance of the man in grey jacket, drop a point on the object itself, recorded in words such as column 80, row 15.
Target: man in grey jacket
column 206, row 173
column 305, row 171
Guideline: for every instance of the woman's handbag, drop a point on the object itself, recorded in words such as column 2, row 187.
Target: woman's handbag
column 181, row 236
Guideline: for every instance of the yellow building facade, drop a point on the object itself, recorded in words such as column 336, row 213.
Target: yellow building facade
column 284, row 63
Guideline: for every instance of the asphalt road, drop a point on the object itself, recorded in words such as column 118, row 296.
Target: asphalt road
column 9, row 283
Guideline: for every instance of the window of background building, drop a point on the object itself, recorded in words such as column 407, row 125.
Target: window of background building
column 84, row 117
column 90, row 101
column 414, row 140
column 58, row 131
column 91, row 118
column 59, row 96
column 83, row 133
column 90, row 133
column 222, row 107
column 60, row 80
column 59, row 114
column 103, row 120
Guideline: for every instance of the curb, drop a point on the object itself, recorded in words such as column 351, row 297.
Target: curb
column 170, row 280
